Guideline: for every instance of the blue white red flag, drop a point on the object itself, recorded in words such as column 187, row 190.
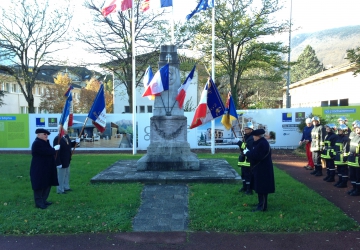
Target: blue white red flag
column 71, row 115
column 202, row 5
column 182, row 90
column 210, row 105
column 230, row 114
column 147, row 79
column 115, row 6
column 97, row 112
column 154, row 4
column 65, row 116
column 159, row 83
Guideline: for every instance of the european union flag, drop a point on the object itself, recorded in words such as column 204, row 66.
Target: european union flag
column 203, row 5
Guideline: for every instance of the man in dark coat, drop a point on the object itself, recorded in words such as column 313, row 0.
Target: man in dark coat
column 261, row 168
column 43, row 169
column 63, row 159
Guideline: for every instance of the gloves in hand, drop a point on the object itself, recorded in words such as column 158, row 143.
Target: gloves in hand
column 60, row 166
column 245, row 150
column 57, row 147
column 77, row 140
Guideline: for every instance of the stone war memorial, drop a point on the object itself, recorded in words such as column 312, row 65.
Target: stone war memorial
column 169, row 158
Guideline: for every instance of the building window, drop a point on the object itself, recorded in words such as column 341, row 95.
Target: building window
column 24, row 110
column 127, row 109
column 7, row 87
column 13, row 88
column 142, row 109
column 344, row 102
column 324, row 104
column 333, row 102
column 149, row 109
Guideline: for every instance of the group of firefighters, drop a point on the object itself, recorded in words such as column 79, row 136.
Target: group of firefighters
column 334, row 147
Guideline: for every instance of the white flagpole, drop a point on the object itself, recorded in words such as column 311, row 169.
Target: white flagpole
column 213, row 77
column 172, row 25
column 133, row 78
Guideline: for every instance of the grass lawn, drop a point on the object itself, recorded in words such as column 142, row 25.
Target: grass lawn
column 110, row 207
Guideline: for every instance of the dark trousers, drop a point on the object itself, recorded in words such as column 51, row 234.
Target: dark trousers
column 262, row 205
column 330, row 166
column 41, row 195
column 246, row 174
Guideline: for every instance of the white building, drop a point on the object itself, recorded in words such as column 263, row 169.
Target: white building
column 333, row 87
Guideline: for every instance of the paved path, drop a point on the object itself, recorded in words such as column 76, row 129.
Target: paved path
column 164, row 208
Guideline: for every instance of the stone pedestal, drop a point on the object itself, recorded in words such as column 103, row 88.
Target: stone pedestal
column 168, row 149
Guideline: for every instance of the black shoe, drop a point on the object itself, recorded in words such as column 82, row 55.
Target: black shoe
column 61, row 193
column 41, row 207
column 48, row 203
column 242, row 189
column 337, row 183
column 259, row 209
column 68, row 190
column 313, row 172
column 355, row 193
column 249, row 192
column 350, row 191
column 342, row 185
column 326, row 178
column 331, row 179
column 318, row 174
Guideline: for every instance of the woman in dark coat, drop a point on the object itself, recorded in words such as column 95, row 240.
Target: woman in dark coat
column 42, row 170
column 262, row 168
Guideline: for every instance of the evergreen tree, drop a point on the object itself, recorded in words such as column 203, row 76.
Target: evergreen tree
column 354, row 57
column 307, row 65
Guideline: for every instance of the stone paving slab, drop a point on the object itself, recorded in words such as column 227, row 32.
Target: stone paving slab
column 211, row 171
column 164, row 208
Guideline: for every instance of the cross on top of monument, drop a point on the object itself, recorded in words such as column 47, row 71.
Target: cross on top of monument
column 168, row 57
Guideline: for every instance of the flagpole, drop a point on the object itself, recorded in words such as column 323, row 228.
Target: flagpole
column 133, row 77
column 82, row 130
column 213, row 77
column 172, row 26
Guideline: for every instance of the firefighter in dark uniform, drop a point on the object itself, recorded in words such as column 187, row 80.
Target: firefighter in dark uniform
column 243, row 162
column 353, row 162
column 317, row 142
column 341, row 149
column 328, row 152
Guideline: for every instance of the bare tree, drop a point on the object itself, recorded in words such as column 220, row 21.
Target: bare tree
column 29, row 34
column 111, row 37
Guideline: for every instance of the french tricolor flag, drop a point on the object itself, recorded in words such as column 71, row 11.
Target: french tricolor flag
column 159, row 83
column 182, row 90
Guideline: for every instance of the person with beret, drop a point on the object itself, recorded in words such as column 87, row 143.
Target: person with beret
column 63, row 159
column 43, row 169
column 261, row 168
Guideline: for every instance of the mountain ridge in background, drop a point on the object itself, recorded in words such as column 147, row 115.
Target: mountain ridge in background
column 330, row 45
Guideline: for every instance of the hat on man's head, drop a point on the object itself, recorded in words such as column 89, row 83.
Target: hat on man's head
column 258, row 132
column 41, row 130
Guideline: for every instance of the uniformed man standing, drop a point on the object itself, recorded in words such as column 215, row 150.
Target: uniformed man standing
column 341, row 149
column 317, row 142
column 328, row 152
column 243, row 162
column 353, row 162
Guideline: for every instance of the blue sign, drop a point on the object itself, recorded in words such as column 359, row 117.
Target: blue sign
column 287, row 117
column 40, row 122
column 7, row 118
column 339, row 111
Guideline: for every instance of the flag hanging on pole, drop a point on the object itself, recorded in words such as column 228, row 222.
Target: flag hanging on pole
column 159, row 83
column 153, row 4
column 97, row 112
column 230, row 114
column 202, row 5
column 182, row 90
column 210, row 105
column 147, row 79
column 116, row 5
column 64, row 119
column 71, row 115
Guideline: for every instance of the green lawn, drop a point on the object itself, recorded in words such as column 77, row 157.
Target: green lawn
column 110, row 207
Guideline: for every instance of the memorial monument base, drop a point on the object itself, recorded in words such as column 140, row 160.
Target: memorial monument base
column 171, row 157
